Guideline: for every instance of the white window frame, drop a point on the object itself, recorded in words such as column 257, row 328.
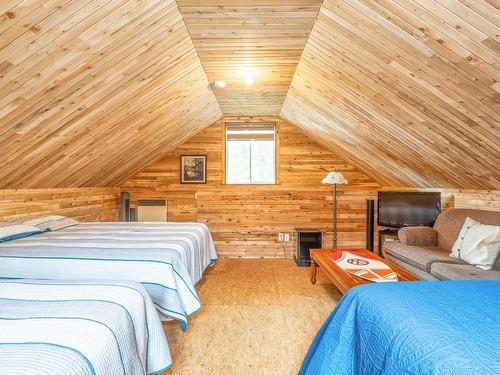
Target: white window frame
column 275, row 159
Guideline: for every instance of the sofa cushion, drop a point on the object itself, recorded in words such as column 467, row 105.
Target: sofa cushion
column 450, row 222
column 418, row 256
column 421, row 274
column 418, row 236
column 447, row 271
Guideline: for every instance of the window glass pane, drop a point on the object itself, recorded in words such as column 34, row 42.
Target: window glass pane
column 238, row 162
column 250, row 153
column 262, row 162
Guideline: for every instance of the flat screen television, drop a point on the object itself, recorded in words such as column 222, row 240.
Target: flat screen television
column 403, row 209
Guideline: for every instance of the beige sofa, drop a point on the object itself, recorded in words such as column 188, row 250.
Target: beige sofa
column 424, row 251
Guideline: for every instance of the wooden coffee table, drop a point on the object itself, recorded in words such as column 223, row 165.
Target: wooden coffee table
column 344, row 280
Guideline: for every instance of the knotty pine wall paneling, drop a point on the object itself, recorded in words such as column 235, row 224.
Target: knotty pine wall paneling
column 245, row 219
column 83, row 204
column 462, row 198
column 477, row 199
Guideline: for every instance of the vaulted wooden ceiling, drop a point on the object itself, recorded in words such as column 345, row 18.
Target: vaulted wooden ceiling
column 258, row 39
column 91, row 91
column 407, row 90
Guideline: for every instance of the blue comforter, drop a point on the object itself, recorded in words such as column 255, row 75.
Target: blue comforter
column 447, row 327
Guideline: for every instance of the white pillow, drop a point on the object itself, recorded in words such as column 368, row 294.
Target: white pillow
column 58, row 224
column 13, row 232
column 477, row 244
column 54, row 222
column 40, row 220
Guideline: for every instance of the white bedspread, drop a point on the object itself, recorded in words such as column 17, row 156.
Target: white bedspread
column 79, row 327
column 167, row 258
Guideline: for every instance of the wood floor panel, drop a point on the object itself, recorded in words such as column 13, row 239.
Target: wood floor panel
column 234, row 333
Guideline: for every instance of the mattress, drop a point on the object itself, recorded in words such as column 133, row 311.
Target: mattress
column 434, row 327
column 79, row 327
column 167, row 258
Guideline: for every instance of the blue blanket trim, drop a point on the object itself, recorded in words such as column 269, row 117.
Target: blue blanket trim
column 17, row 236
column 160, row 371
column 109, row 260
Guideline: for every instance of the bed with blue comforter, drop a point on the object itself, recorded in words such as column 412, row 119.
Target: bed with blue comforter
column 80, row 327
column 450, row 327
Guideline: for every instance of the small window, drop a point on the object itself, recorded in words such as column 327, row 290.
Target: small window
column 250, row 153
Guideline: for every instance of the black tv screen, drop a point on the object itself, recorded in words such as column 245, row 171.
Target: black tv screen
column 402, row 209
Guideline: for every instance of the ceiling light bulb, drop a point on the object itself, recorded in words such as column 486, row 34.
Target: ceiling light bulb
column 247, row 74
column 219, row 85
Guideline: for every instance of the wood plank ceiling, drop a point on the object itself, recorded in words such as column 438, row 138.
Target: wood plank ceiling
column 408, row 91
column 91, row 91
column 259, row 40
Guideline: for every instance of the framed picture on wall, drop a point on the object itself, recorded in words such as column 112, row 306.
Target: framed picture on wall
column 193, row 169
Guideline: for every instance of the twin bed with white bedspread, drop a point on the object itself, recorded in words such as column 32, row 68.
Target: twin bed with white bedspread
column 79, row 327
column 167, row 258
column 73, row 316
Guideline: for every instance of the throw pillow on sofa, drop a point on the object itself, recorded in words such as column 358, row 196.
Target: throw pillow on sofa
column 477, row 244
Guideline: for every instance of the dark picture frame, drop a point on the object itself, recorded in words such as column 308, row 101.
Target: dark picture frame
column 193, row 169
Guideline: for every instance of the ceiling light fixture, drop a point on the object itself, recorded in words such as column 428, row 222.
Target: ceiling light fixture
column 249, row 80
column 217, row 85
column 248, row 75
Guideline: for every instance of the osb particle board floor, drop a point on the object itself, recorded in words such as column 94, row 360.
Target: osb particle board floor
column 258, row 316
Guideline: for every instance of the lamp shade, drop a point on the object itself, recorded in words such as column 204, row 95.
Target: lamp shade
column 334, row 178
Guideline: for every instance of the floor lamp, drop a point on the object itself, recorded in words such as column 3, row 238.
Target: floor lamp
column 334, row 178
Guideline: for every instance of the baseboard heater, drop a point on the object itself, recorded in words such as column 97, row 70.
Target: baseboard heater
column 152, row 210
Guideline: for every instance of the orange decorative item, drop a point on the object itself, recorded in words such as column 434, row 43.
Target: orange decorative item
column 363, row 265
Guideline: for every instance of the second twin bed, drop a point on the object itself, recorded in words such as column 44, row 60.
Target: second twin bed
column 64, row 304
column 167, row 258
column 80, row 327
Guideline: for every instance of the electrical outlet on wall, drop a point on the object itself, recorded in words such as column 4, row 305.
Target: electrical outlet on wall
column 280, row 237
column 287, row 237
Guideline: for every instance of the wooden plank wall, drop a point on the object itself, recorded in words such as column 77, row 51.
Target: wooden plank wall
column 84, row 204
column 476, row 199
column 462, row 198
column 244, row 219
